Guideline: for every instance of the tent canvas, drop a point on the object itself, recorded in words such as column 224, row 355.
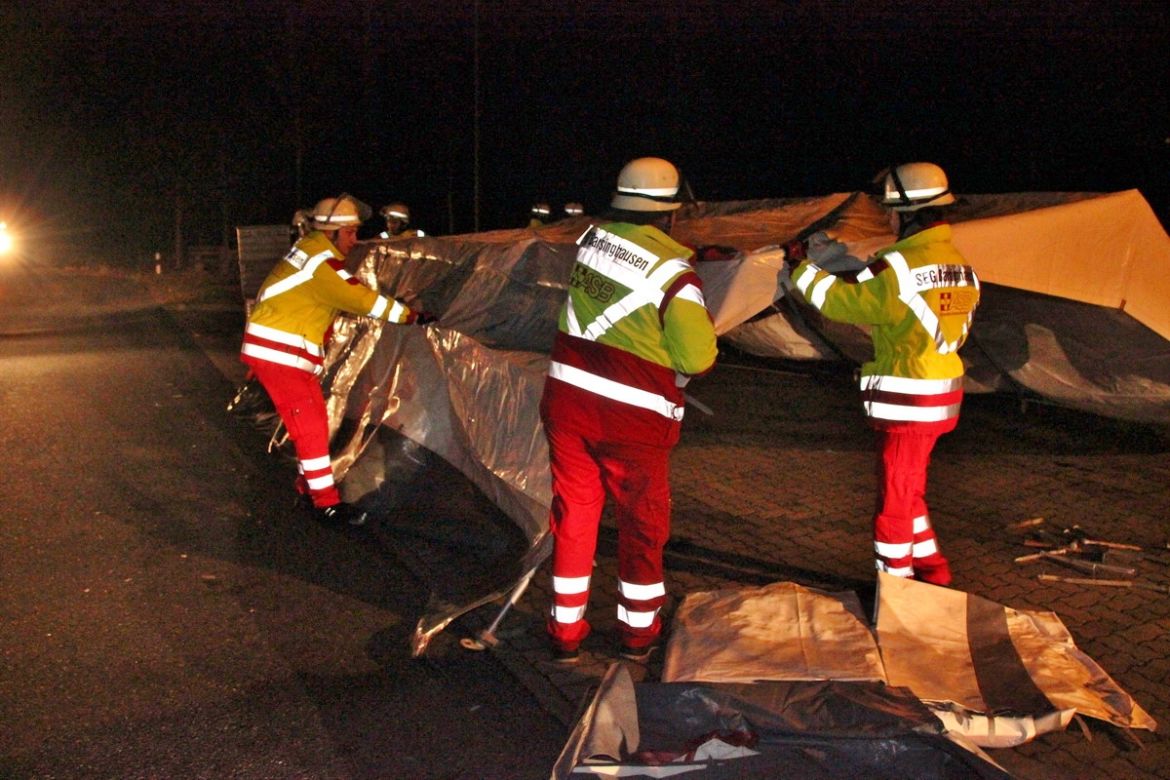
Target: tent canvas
column 996, row 675
column 467, row 388
column 734, row 635
column 956, row 648
column 1109, row 251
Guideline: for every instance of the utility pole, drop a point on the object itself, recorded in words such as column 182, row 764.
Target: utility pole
column 370, row 98
column 224, row 189
column 475, row 133
column 292, row 41
column 178, row 231
column 450, row 190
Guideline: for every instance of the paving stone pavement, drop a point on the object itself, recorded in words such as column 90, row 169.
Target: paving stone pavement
column 778, row 485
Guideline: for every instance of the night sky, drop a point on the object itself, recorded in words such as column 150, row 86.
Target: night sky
column 116, row 115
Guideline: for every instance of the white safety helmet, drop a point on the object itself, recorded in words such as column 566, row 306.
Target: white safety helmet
column 574, row 209
column 912, row 186
column 301, row 221
column 335, row 213
column 647, row 184
column 541, row 210
column 396, row 211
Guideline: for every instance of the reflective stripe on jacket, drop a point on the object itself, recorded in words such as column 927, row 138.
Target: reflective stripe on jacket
column 300, row 299
column 918, row 297
column 633, row 322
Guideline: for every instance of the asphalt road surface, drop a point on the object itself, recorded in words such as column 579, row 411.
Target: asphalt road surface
column 168, row 612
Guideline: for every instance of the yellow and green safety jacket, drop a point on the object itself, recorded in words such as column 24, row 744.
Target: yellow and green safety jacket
column 633, row 329
column 300, row 299
column 919, row 297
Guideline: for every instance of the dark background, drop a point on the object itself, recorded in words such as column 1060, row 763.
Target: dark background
column 122, row 119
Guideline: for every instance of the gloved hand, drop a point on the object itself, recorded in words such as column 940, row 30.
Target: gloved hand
column 830, row 253
column 795, row 252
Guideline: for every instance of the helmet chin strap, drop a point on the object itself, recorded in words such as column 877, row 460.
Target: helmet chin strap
column 911, row 222
column 897, row 180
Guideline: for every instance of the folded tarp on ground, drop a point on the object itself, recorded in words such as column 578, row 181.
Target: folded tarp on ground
column 731, row 636
column 804, row 730
column 996, row 675
column 952, row 647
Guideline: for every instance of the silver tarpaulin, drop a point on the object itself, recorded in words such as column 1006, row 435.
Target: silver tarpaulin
column 467, row 387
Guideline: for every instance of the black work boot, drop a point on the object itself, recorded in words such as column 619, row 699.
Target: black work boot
column 341, row 514
column 563, row 656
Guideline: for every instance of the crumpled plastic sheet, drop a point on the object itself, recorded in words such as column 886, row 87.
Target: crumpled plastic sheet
column 821, row 729
column 958, row 649
column 996, row 675
column 476, row 408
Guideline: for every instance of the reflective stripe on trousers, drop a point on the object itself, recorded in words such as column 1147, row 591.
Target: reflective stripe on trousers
column 902, row 533
column 298, row 400
column 585, row 471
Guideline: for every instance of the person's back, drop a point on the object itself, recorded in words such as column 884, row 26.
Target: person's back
column 919, row 298
column 633, row 328
column 927, row 265
column 538, row 215
column 301, row 309
column 640, row 261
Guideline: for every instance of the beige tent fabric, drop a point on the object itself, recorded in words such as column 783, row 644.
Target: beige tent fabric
column 996, row 675
column 732, row 636
column 1109, row 250
column 931, row 644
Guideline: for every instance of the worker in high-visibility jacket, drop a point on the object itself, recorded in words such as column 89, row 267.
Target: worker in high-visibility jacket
column 302, row 222
column 285, row 335
column 634, row 329
column 539, row 215
column 397, row 217
column 919, row 297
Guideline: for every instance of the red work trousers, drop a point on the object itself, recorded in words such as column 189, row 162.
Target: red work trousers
column 584, row 470
column 296, row 394
column 904, row 541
